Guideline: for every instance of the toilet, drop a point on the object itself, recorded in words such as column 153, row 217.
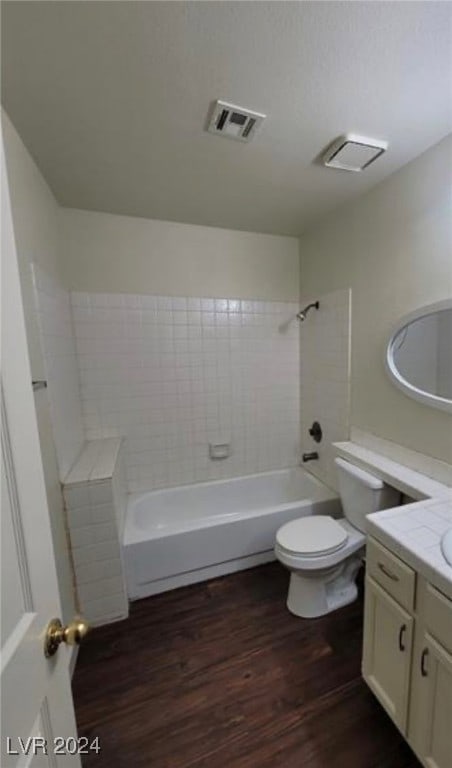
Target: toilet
column 324, row 555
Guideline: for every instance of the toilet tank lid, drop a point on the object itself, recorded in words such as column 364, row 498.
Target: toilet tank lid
column 370, row 481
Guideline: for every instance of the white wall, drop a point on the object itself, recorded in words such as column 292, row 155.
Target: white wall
column 172, row 375
column 35, row 213
column 35, row 217
column 393, row 247
column 102, row 252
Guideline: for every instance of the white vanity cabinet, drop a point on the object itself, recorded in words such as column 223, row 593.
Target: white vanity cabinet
column 430, row 730
column 407, row 653
column 388, row 639
column 430, row 721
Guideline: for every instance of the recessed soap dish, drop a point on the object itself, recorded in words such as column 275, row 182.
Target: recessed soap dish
column 219, row 450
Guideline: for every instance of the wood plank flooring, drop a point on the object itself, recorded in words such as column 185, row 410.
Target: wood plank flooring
column 220, row 675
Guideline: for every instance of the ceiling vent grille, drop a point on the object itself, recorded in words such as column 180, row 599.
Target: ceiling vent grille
column 234, row 122
column 353, row 153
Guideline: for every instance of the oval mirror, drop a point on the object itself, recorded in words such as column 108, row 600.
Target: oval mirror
column 419, row 355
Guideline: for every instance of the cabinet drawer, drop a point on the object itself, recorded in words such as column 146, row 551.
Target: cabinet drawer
column 438, row 616
column 397, row 578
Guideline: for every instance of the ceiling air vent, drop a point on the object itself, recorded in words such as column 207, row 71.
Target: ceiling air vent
column 234, row 122
column 353, row 153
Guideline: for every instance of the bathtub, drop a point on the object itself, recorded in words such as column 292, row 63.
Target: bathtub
column 178, row 536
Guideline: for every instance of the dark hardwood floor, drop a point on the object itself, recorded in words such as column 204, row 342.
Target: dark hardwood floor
column 220, row 675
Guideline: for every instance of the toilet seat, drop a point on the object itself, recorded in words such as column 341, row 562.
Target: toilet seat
column 312, row 536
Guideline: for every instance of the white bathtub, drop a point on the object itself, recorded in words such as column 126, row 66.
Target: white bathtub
column 181, row 535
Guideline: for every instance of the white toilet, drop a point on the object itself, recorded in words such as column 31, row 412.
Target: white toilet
column 323, row 554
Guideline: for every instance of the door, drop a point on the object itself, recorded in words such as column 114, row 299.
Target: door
column 434, row 702
column 36, row 698
column 387, row 647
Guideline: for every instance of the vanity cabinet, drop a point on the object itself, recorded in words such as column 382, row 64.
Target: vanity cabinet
column 431, row 720
column 388, row 639
column 407, row 653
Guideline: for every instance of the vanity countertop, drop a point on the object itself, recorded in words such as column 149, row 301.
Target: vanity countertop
column 413, row 532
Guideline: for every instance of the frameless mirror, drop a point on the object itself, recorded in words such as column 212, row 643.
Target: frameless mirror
column 419, row 355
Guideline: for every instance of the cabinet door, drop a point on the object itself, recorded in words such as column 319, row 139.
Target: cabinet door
column 434, row 699
column 388, row 638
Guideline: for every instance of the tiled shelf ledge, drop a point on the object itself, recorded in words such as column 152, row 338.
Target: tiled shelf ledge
column 408, row 481
column 96, row 462
column 435, row 469
column 95, row 500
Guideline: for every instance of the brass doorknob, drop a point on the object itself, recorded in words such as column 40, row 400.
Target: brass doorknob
column 56, row 634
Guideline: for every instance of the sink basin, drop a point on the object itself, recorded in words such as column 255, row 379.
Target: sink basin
column 446, row 546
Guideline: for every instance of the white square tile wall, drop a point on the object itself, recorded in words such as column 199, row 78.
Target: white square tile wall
column 172, row 375
column 95, row 500
column 325, row 379
column 53, row 306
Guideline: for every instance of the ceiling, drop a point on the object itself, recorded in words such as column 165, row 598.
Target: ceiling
column 111, row 98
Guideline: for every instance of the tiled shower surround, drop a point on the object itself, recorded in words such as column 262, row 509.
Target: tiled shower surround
column 325, row 379
column 172, row 375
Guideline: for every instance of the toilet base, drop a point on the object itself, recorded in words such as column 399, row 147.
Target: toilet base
column 316, row 594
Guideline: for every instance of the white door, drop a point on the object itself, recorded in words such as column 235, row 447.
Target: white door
column 36, row 698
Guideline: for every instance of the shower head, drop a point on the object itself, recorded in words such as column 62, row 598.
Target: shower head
column 304, row 312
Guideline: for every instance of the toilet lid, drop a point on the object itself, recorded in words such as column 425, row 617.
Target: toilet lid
column 308, row 536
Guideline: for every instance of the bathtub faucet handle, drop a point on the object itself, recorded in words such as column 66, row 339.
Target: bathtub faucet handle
column 310, row 456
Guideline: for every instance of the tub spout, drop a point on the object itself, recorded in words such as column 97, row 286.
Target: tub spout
column 310, row 456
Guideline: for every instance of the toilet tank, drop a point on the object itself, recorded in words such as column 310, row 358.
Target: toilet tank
column 362, row 493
